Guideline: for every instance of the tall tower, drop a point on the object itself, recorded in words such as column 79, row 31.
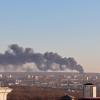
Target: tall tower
column 89, row 90
column 4, row 92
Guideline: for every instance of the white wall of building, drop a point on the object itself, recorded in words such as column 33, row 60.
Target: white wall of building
column 4, row 92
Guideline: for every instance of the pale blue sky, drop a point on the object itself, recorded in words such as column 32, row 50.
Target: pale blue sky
column 69, row 27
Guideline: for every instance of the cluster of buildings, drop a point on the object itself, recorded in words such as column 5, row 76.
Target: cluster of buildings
column 68, row 81
column 71, row 82
column 89, row 93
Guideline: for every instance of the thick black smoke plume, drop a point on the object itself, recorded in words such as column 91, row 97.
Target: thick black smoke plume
column 17, row 58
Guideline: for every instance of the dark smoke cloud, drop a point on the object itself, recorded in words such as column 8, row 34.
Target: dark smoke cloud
column 17, row 58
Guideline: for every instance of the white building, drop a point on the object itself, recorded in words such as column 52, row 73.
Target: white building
column 89, row 90
column 4, row 92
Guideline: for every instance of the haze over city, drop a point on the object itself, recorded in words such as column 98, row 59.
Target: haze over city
column 69, row 28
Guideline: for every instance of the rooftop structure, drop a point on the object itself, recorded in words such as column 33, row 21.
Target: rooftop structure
column 4, row 92
column 89, row 90
column 67, row 97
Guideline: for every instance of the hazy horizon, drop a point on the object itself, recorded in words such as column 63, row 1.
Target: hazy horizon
column 67, row 27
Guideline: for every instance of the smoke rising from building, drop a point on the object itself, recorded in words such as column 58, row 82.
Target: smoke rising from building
column 17, row 58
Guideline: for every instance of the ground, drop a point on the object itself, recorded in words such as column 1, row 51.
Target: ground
column 36, row 93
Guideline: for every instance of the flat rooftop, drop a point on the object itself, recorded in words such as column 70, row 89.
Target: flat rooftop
column 97, row 98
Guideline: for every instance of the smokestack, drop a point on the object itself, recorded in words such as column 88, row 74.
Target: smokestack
column 17, row 58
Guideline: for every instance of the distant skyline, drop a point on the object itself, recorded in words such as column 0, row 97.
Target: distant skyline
column 69, row 27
